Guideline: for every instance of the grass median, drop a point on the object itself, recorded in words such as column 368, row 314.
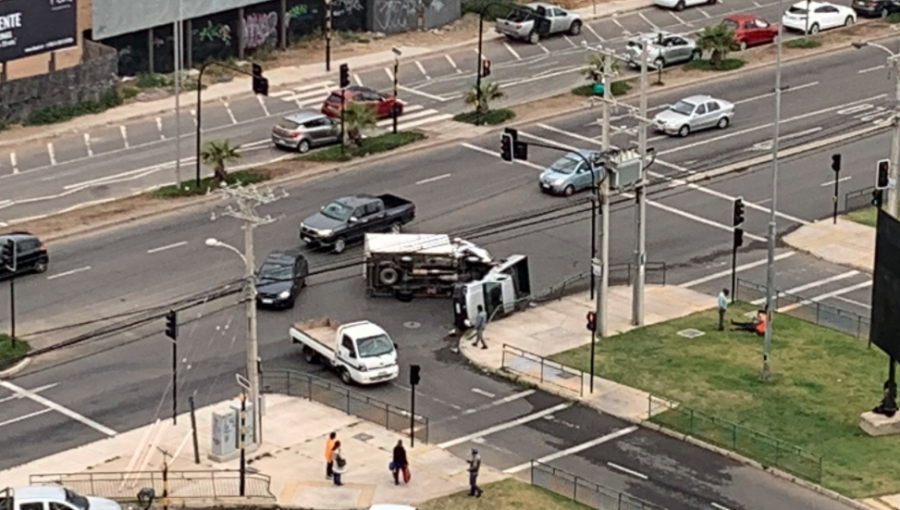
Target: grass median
column 822, row 380
column 488, row 118
column 189, row 187
column 10, row 350
column 867, row 216
column 509, row 494
column 373, row 145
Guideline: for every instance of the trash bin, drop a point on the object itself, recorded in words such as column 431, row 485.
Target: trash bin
column 598, row 88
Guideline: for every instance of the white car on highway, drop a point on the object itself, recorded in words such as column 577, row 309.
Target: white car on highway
column 694, row 114
column 811, row 17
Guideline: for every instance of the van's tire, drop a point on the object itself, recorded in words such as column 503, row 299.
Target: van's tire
column 345, row 377
column 679, row 6
column 534, row 37
column 388, row 276
column 396, row 228
column 575, row 28
column 310, row 356
column 339, row 246
column 403, row 296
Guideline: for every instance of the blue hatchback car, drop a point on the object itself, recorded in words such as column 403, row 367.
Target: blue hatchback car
column 569, row 174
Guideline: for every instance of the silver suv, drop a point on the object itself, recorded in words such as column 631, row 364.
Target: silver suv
column 663, row 49
column 304, row 130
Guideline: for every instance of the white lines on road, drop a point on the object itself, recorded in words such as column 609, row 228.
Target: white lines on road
column 51, row 153
column 772, row 94
column 14, row 162
column 722, row 274
column 716, row 505
column 870, row 69
column 423, row 94
column 767, row 144
column 696, row 218
column 575, row 449
column 505, row 426
column 124, row 132
column 453, row 64
column 25, row 417
column 812, row 285
column 422, row 70
column 512, row 51
column 624, row 30
column 757, row 4
column 853, row 302
column 58, row 408
column 652, row 24
column 541, row 46
column 677, row 18
column 485, row 407
column 167, row 247
column 20, row 397
column 389, row 73
column 262, row 104
column 230, row 113
column 434, row 179
column 591, row 30
column 160, row 128
column 831, row 182
column 703, row 13
column 827, row 295
column 624, row 469
column 483, row 393
column 357, row 79
column 566, row 38
column 87, row 144
column 69, row 273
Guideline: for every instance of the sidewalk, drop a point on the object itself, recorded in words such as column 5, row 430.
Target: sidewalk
column 294, row 432
column 847, row 243
column 558, row 326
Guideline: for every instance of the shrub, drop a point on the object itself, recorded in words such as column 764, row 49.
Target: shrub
column 55, row 114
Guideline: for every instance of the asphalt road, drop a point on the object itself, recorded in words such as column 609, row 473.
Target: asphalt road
column 114, row 161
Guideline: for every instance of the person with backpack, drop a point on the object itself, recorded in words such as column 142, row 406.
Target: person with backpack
column 340, row 463
column 400, row 463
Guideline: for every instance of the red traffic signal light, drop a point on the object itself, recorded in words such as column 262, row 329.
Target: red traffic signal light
column 591, row 321
column 882, row 174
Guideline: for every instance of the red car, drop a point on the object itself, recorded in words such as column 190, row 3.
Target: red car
column 382, row 104
column 750, row 30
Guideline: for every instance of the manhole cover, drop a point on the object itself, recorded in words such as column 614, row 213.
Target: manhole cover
column 412, row 325
column 362, row 436
column 691, row 333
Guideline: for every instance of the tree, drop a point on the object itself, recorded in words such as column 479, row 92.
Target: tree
column 716, row 38
column 216, row 153
column 489, row 92
column 357, row 118
column 594, row 71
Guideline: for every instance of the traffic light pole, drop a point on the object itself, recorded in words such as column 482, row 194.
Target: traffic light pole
column 175, row 381
column 603, row 295
column 640, row 252
column 837, row 183
column 894, row 194
column 12, row 310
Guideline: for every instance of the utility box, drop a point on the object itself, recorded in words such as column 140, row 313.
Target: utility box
column 627, row 170
column 226, row 433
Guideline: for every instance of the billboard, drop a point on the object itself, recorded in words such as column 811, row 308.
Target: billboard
column 32, row 27
column 116, row 17
column 885, row 329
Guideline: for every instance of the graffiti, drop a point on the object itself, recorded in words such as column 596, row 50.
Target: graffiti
column 260, row 29
column 212, row 32
column 434, row 5
column 395, row 15
column 345, row 7
column 297, row 11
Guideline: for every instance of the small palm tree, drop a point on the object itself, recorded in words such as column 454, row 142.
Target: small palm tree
column 216, row 153
column 357, row 118
column 489, row 92
column 594, row 71
column 719, row 39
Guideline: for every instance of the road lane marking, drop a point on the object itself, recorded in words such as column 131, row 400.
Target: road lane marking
column 870, row 69
column 772, row 94
column 422, row 70
column 167, row 247
column 570, row 41
column 87, row 144
column 357, row 80
column 512, row 51
column 575, row 449
column 124, row 132
column 58, row 408
column 453, row 64
column 853, row 302
column 230, row 113
column 36, row 390
column 624, row 30
column 541, row 46
column 767, row 145
column 738, row 269
column 631, row 472
column 504, row 426
column 831, row 182
column 160, row 128
column 485, row 407
column 827, row 295
column 681, row 21
column 433, row 179
column 51, row 153
column 812, row 285
column 428, row 120
column 262, row 104
column 757, row 3
column 641, row 14
column 69, row 273
column 25, row 417
column 704, row 13
column 14, row 162
column 714, row 504
column 696, row 218
column 855, row 109
column 423, row 94
column 483, row 393
column 390, row 74
column 591, row 30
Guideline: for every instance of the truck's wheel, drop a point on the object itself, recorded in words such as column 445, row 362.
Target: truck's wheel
column 389, row 276
column 404, row 296
column 534, row 37
column 340, row 245
column 345, row 377
column 310, row 356
column 575, row 28
column 396, row 228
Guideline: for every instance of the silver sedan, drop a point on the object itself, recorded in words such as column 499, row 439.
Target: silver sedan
column 694, row 113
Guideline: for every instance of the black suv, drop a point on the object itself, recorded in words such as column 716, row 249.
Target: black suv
column 280, row 278
column 31, row 254
column 875, row 8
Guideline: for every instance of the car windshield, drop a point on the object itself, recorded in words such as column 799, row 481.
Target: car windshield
column 797, row 10
column 565, row 165
column 682, row 107
column 275, row 271
column 77, row 500
column 374, row 346
column 288, row 124
column 337, row 211
column 730, row 25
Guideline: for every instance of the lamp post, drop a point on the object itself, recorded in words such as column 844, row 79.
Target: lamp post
column 893, row 199
column 480, row 56
column 395, row 107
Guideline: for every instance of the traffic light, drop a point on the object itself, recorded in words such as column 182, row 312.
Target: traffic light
column 260, row 84
column 877, row 197
column 738, row 237
column 506, row 147
column 836, row 162
column 591, row 321
column 8, row 255
column 414, row 375
column 882, row 174
column 738, row 217
column 172, row 325
column 485, row 68
column 345, row 76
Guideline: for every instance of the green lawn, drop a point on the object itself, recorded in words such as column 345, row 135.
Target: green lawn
column 727, row 64
column 8, row 351
column 866, row 216
column 489, row 118
column 822, row 380
column 373, row 145
column 509, row 494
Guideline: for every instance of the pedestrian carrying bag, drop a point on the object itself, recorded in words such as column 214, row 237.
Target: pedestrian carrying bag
column 391, row 466
column 341, row 462
column 406, row 474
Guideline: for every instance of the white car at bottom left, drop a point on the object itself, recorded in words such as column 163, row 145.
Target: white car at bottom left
column 50, row 497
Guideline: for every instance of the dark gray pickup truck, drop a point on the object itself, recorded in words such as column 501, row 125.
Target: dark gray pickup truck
column 349, row 219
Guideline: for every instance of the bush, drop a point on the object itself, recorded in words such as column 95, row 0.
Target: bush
column 893, row 17
column 130, row 92
column 8, row 351
column 3, row 126
column 489, row 118
column 618, row 88
column 374, row 145
column 189, row 187
column 803, row 43
column 54, row 114
column 152, row 81
column 493, row 9
column 728, row 64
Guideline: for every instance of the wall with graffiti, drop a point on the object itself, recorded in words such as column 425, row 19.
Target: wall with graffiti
column 438, row 13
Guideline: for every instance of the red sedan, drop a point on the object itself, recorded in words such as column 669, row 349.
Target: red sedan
column 382, row 104
column 750, row 30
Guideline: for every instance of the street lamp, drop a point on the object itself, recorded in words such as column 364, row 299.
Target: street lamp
column 479, row 65
column 894, row 171
column 252, row 342
column 395, row 107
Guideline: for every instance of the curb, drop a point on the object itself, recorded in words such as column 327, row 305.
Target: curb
column 862, row 269
column 15, row 369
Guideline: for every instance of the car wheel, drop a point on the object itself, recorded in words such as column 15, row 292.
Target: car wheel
column 884, row 13
column 40, row 267
column 659, row 63
column 340, row 245
column 679, row 6
column 291, row 303
column 575, row 28
column 814, row 29
column 310, row 356
column 742, row 45
column 696, row 55
column 569, row 191
column 684, row 131
column 723, row 123
column 534, row 38
column 396, row 228
column 712, row 2
column 303, row 146
column 345, row 377
column 849, row 21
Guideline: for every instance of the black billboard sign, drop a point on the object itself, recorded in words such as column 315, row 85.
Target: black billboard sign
column 32, row 27
column 885, row 329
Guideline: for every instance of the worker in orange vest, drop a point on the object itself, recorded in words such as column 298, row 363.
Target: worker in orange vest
column 329, row 455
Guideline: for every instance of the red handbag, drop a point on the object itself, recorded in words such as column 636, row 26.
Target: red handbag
column 406, row 474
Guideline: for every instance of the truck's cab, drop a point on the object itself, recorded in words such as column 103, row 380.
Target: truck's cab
column 360, row 352
column 499, row 292
column 49, row 497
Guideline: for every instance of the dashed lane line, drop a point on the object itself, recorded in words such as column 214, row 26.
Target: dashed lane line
column 504, row 426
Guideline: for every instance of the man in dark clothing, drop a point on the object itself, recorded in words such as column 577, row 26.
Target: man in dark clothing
column 480, row 324
column 474, row 467
column 399, row 463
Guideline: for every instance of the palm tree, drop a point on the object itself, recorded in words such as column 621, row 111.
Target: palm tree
column 216, row 153
column 357, row 118
column 489, row 92
column 595, row 67
column 716, row 38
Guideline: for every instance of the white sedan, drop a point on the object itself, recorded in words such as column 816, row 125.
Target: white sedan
column 694, row 114
column 811, row 17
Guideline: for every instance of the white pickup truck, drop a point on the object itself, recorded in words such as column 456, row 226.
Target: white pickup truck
column 50, row 497
column 360, row 352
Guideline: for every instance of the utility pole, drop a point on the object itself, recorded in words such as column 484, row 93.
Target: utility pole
column 179, row 49
column 247, row 200
column 893, row 198
column 329, row 12
column 640, row 255
column 603, row 295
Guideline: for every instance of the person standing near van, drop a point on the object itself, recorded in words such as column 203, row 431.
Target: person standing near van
column 340, row 463
column 480, row 324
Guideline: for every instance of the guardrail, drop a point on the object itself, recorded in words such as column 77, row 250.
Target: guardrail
column 766, row 449
column 619, row 274
column 831, row 317
column 297, row 384
column 124, row 486
column 859, row 199
column 584, row 491
column 534, row 366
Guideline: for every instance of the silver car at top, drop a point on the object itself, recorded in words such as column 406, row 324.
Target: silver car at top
column 694, row 113
column 533, row 21
column 663, row 48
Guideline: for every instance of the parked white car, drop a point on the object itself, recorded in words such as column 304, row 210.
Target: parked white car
column 821, row 16
column 679, row 5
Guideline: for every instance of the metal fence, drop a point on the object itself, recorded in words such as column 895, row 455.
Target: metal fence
column 859, row 199
column 298, row 384
column 803, row 308
column 586, row 492
column 527, row 364
column 619, row 274
column 124, row 486
column 767, row 450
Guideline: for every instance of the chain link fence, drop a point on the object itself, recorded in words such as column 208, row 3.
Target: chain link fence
column 584, row 491
column 297, row 384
